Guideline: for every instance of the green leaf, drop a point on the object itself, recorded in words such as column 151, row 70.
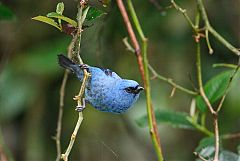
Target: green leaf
column 224, row 155
column 60, row 8
column 205, row 142
column 5, row 13
column 58, row 16
column 228, row 156
column 207, row 153
column 94, row 13
column 206, row 149
column 47, row 20
column 175, row 119
column 214, row 89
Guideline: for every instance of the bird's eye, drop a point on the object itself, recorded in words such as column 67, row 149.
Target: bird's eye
column 129, row 89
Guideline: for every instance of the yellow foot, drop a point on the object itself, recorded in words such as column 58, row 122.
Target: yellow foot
column 76, row 98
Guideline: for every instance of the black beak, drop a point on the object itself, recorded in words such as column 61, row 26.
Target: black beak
column 139, row 89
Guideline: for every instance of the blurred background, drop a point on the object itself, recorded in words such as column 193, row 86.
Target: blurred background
column 30, row 79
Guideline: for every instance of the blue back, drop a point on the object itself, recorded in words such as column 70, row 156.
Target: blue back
column 105, row 91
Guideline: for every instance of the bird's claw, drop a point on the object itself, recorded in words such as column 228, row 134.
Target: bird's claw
column 80, row 108
column 84, row 66
column 76, row 97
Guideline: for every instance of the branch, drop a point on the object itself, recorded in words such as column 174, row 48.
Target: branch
column 199, row 78
column 209, row 28
column 199, row 127
column 225, row 65
column 194, row 27
column 78, row 98
column 151, row 115
column 231, row 136
column 143, row 66
column 199, row 156
column 184, row 12
column 171, row 82
column 132, row 37
column 61, row 102
column 228, row 86
column 216, row 132
column 206, row 100
column 156, row 75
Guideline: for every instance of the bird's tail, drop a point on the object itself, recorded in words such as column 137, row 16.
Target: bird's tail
column 66, row 63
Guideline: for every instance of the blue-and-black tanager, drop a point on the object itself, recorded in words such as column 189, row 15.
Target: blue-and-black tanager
column 105, row 90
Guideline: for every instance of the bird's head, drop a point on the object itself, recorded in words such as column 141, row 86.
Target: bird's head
column 133, row 89
column 124, row 95
column 130, row 88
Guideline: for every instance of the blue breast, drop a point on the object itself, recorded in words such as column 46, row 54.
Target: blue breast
column 103, row 92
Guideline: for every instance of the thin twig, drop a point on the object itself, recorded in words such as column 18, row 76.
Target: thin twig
column 228, row 86
column 132, row 37
column 210, row 50
column 156, row 75
column 184, row 12
column 207, row 102
column 61, row 102
column 173, row 92
column 151, row 115
column 171, row 82
column 225, row 65
column 209, row 28
column 112, row 151
column 73, row 137
column 199, row 127
column 199, row 156
column 78, row 98
column 142, row 64
column 60, row 115
column 199, row 78
column 216, row 132
column 231, row 136
column 128, row 46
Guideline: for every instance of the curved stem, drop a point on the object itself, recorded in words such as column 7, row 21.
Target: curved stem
column 213, row 31
column 61, row 102
column 151, row 115
column 231, row 136
column 60, row 115
column 170, row 81
column 184, row 12
column 225, row 65
column 200, row 128
column 143, row 66
column 78, row 98
column 74, row 134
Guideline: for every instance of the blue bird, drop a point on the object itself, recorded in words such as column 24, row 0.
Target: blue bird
column 105, row 90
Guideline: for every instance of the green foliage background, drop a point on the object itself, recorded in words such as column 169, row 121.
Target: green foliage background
column 30, row 79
